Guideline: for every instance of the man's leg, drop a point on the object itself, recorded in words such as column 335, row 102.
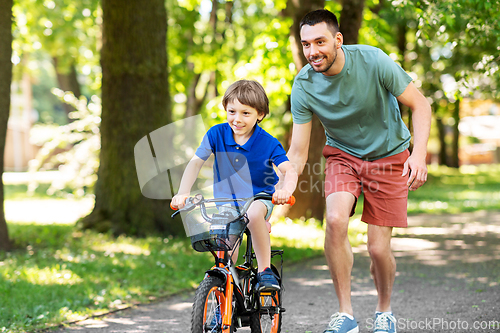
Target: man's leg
column 383, row 265
column 338, row 250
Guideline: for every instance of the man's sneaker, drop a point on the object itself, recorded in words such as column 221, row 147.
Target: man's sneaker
column 342, row 323
column 384, row 323
column 267, row 281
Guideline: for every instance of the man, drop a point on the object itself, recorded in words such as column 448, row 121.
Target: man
column 354, row 91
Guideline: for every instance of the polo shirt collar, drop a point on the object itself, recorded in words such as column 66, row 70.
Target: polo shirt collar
column 248, row 145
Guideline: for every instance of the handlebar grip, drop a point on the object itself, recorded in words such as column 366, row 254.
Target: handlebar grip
column 290, row 201
column 185, row 201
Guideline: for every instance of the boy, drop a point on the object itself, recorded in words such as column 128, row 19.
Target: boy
column 235, row 143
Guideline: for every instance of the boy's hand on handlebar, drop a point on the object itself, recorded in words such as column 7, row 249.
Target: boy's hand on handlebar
column 178, row 201
column 281, row 197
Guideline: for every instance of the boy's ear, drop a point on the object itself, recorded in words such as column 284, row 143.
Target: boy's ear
column 260, row 117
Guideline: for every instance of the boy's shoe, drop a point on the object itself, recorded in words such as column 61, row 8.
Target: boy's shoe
column 341, row 323
column 384, row 323
column 267, row 281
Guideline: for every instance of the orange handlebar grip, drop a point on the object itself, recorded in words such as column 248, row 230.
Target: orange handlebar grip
column 172, row 207
column 290, row 201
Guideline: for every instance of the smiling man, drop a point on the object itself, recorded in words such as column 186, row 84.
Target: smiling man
column 354, row 90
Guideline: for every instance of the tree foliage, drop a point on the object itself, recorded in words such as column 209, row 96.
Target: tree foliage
column 449, row 47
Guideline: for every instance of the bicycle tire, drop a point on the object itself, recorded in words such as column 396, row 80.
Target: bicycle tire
column 209, row 296
column 264, row 322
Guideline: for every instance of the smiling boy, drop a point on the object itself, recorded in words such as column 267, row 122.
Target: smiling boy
column 239, row 142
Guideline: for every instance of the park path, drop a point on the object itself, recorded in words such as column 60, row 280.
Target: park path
column 448, row 280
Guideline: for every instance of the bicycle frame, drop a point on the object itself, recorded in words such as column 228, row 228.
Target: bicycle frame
column 239, row 294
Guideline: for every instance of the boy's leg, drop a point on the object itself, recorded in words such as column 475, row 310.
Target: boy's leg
column 338, row 250
column 383, row 265
column 260, row 234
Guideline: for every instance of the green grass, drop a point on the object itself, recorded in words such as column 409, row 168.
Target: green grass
column 58, row 274
column 452, row 191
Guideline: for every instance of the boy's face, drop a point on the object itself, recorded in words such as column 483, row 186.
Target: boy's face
column 242, row 118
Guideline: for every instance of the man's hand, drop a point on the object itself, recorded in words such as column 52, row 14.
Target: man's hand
column 178, row 201
column 418, row 171
column 281, row 197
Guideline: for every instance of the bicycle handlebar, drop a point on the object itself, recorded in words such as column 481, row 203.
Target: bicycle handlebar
column 198, row 200
column 290, row 201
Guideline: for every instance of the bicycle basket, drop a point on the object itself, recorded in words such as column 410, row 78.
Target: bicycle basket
column 221, row 234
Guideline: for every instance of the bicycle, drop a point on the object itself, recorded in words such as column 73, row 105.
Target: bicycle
column 226, row 299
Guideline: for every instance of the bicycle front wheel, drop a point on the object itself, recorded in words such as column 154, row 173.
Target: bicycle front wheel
column 268, row 318
column 208, row 307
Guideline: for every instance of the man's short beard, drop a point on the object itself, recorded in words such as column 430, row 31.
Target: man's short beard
column 327, row 67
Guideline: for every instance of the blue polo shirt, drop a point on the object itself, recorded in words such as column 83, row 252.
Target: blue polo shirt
column 242, row 171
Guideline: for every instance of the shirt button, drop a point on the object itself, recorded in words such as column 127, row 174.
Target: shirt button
column 237, row 160
column 237, row 147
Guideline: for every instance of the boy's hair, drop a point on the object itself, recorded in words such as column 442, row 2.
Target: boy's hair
column 321, row 15
column 249, row 93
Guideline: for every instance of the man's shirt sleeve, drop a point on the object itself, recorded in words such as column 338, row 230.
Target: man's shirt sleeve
column 301, row 113
column 391, row 75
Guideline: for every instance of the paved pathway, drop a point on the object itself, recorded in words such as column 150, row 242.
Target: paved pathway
column 448, row 280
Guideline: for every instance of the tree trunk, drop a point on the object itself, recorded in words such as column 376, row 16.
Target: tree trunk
column 310, row 181
column 454, row 160
column 442, row 142
column 135, row 101
column 351, row 17
column 67, row 80
column 309, row 187
column 5, row 82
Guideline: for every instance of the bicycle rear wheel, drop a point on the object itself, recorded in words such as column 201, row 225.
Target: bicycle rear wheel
column 268, row 318
column 208, row 307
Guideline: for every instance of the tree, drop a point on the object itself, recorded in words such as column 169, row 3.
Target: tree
column 135, row 101
column 311, row 180
column 351, row 18
column 5, row 82
column 66, row 31
column 457, row 44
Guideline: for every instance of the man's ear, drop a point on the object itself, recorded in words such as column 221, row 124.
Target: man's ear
column 340, row 39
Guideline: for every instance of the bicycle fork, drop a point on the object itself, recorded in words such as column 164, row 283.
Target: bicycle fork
column 228, row 275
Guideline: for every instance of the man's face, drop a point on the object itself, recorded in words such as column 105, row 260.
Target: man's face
column 319, row 47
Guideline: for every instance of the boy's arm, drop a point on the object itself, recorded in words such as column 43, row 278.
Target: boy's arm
column 288, row 185
column 188, row 178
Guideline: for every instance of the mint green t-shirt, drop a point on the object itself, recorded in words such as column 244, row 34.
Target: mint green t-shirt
column 357, row 107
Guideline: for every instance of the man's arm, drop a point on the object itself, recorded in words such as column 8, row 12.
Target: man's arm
column 288, row 185
column 421, row 117
column 299, row 147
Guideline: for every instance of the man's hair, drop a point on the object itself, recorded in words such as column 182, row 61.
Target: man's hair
column 249, row 93
column 321, row 15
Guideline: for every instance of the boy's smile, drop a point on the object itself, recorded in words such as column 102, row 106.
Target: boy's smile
column 242, row 119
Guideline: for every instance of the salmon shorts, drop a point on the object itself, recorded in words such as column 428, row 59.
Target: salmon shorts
column 384, row 188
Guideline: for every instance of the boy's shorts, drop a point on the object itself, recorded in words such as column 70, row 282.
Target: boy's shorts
column 269, row 205
column 385, row 190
